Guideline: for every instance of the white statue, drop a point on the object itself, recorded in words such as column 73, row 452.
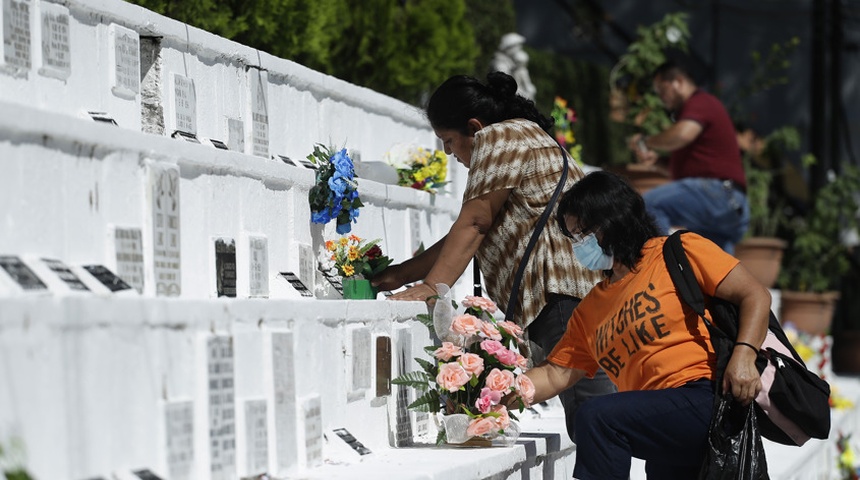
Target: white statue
column 513, row 60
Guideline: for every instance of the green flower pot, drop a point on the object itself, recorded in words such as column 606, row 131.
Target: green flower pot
column 358, row 289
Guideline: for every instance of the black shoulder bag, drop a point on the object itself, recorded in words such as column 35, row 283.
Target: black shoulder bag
column 796, row 403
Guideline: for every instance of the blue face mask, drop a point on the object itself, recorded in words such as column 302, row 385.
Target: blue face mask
column 590, row 255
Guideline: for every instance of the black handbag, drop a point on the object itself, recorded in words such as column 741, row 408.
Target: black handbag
column 796, row 404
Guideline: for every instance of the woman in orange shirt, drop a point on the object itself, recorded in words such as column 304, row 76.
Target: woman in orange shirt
column 632, row 326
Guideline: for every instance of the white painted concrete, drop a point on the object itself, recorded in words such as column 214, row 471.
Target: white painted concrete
column 172, row 378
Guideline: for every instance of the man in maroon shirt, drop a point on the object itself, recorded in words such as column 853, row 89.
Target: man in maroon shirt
column 707, row 194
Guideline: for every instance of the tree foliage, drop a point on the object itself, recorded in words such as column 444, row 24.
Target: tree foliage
column 400, row 48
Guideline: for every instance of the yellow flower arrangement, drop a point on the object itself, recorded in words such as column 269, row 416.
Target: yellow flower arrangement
column 418, row 167
column 353, row 256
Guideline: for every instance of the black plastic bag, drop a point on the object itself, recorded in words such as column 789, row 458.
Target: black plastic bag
column 735, row 451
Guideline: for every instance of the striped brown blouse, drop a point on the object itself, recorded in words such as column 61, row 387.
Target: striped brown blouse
column 519, row 155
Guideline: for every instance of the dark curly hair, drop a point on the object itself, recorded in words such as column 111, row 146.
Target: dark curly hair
column 603, row 201
column 462, row 97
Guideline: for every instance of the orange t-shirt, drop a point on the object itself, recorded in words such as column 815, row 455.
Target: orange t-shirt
column 636, row 329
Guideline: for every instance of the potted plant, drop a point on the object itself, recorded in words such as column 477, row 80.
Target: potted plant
column 357, row 261
column 818, row 256
column 761, row 250
column 633, row 101
column 467, row 377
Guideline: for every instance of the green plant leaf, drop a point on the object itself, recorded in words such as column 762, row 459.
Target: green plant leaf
column 417, row 380
column 429, row 402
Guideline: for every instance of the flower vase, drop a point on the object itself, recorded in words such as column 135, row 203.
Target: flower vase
column 358, row 289
column 455, row 426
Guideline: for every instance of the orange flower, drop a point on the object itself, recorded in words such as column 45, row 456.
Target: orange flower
column 355, row 238
column 330, row 246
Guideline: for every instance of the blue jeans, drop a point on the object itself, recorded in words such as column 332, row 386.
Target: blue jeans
column 707, row 206
column 666, row 428
column 546, row 330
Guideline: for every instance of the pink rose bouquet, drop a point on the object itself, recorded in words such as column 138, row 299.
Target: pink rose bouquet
column 476, row 367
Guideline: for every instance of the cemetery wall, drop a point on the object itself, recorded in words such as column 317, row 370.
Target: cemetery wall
column 161, row 307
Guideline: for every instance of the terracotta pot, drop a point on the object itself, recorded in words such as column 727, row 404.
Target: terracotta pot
column 762, row 256
column 808, row 312
column 643, row 177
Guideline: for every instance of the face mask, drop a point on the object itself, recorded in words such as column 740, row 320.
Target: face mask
column 590, row 255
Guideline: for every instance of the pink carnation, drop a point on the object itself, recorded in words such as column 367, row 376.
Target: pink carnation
column 466, row 325
column 471, row 363
column 490, row 331
column 512, row 328
column 507, row 357
column 491, row 346
column 487, row 399
column 522, row 362
column 503, row 421
column 525, row 389
column 482, row 426
column 452, row 376
column 483, row 303
column 499, row 380
column 447, row 351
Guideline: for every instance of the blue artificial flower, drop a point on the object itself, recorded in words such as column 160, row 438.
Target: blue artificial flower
column 338, row 185
column 342, row 163
column 353, row 214
column 321, row 216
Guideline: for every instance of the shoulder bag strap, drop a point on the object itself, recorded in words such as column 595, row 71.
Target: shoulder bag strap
column 518, row 277
column 685, row 281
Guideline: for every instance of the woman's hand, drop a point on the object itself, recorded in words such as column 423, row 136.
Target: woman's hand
column 753, row 300
column 419, row 292
column 742, row 378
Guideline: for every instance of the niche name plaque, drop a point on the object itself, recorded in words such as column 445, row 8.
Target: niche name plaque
column 17, row 37
column 21, row 273
column 350, row 440
column 107, row 278
column 297, row 283
column 66, row 275
column 259, row 112
column 225, row 267
column 56, row 58
column 124, row 61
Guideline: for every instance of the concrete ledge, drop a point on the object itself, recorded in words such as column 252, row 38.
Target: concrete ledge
column 543, row 452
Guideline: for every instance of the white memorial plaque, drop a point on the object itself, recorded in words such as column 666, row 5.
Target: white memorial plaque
column 124, row 61
column 256, row 436
column 312, row 416
column 402, row 419
column 259, row 113
column 17, row 34
column 361, row 358
column 164, row 193
column 283, row 358
column 128, row 245
column 307, row 271
column 65, row 274
column 56, row 58
column 184, row 101
column 258, row 266
column 179, row 422
column 222, row 409
column 415, row 228
column 236, row 135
